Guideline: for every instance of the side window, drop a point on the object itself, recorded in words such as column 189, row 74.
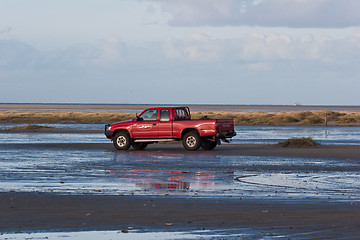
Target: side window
column 164, row 115
column 149, row 115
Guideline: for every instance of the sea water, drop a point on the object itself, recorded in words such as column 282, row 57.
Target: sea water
column 245, row 134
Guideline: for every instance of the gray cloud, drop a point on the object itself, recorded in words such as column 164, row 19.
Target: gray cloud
column 248, row 68
column 270, row 13
column 5, row 31
column 197, row 48
column 16, row 55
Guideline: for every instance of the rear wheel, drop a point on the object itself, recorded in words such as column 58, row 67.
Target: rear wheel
column 191, row 141
column 139, row 146
column 208, row 145
column 122, row 141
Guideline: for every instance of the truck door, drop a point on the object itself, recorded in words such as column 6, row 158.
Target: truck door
column 147, row 125
column 165, row 124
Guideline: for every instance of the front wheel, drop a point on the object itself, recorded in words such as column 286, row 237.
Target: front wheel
column 122, row 141
column 191, row 141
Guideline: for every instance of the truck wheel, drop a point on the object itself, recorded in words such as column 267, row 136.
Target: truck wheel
column 208, row 145
column 122, row 141
column 191, row 141
column 139, row 146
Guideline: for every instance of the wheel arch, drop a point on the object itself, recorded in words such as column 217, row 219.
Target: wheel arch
column 121, row 130
column 186, row 130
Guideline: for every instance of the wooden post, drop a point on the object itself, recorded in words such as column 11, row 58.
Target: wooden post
column 326, row 119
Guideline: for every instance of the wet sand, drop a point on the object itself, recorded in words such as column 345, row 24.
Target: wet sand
column 305, row 219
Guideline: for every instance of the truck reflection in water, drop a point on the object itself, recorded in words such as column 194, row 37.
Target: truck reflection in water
column 165, row 179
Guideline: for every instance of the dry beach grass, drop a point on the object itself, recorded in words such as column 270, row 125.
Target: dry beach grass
column 240, row 118
column 62, row 117
column 304, row 142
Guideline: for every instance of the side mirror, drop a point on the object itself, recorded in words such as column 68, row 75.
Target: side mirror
column 139, row 118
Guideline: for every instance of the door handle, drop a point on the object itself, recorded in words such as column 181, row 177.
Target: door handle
column 154, row 124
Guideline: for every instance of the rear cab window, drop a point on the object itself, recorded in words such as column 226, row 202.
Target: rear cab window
column 181, row 114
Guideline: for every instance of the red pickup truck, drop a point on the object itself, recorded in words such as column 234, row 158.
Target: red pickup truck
column 162, row 124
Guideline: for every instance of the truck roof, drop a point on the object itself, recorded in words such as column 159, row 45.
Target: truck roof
column 168, row 107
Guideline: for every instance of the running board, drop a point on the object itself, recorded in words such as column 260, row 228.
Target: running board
column 156, row 140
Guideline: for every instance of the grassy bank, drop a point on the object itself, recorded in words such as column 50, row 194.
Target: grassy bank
column 28, row 128
column 241, row 118
column 298, row 142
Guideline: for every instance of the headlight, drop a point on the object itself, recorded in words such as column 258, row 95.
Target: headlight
column 107, row 128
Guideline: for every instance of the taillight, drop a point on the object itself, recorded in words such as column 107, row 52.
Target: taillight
column 217, row 127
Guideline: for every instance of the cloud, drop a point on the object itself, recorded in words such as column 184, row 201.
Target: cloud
column 248, row 47
column 251, row 69
column 197, row 48
column 15, row 54
column 270, row 13
column 5, row 31
column 112, row 49
column 259, row 66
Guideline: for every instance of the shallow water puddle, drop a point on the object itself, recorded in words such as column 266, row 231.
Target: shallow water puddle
column 245, row 134
column 125, row 234
column 342, row 183
column 92, row 171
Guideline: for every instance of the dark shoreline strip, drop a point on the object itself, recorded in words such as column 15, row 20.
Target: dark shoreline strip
column 33, row 211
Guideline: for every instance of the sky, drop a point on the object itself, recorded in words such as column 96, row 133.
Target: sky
column 262, row 52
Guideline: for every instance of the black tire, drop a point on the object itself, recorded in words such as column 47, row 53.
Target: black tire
column 122, row 141
column 139, row 146
column 208, row 145
column 191, row 141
